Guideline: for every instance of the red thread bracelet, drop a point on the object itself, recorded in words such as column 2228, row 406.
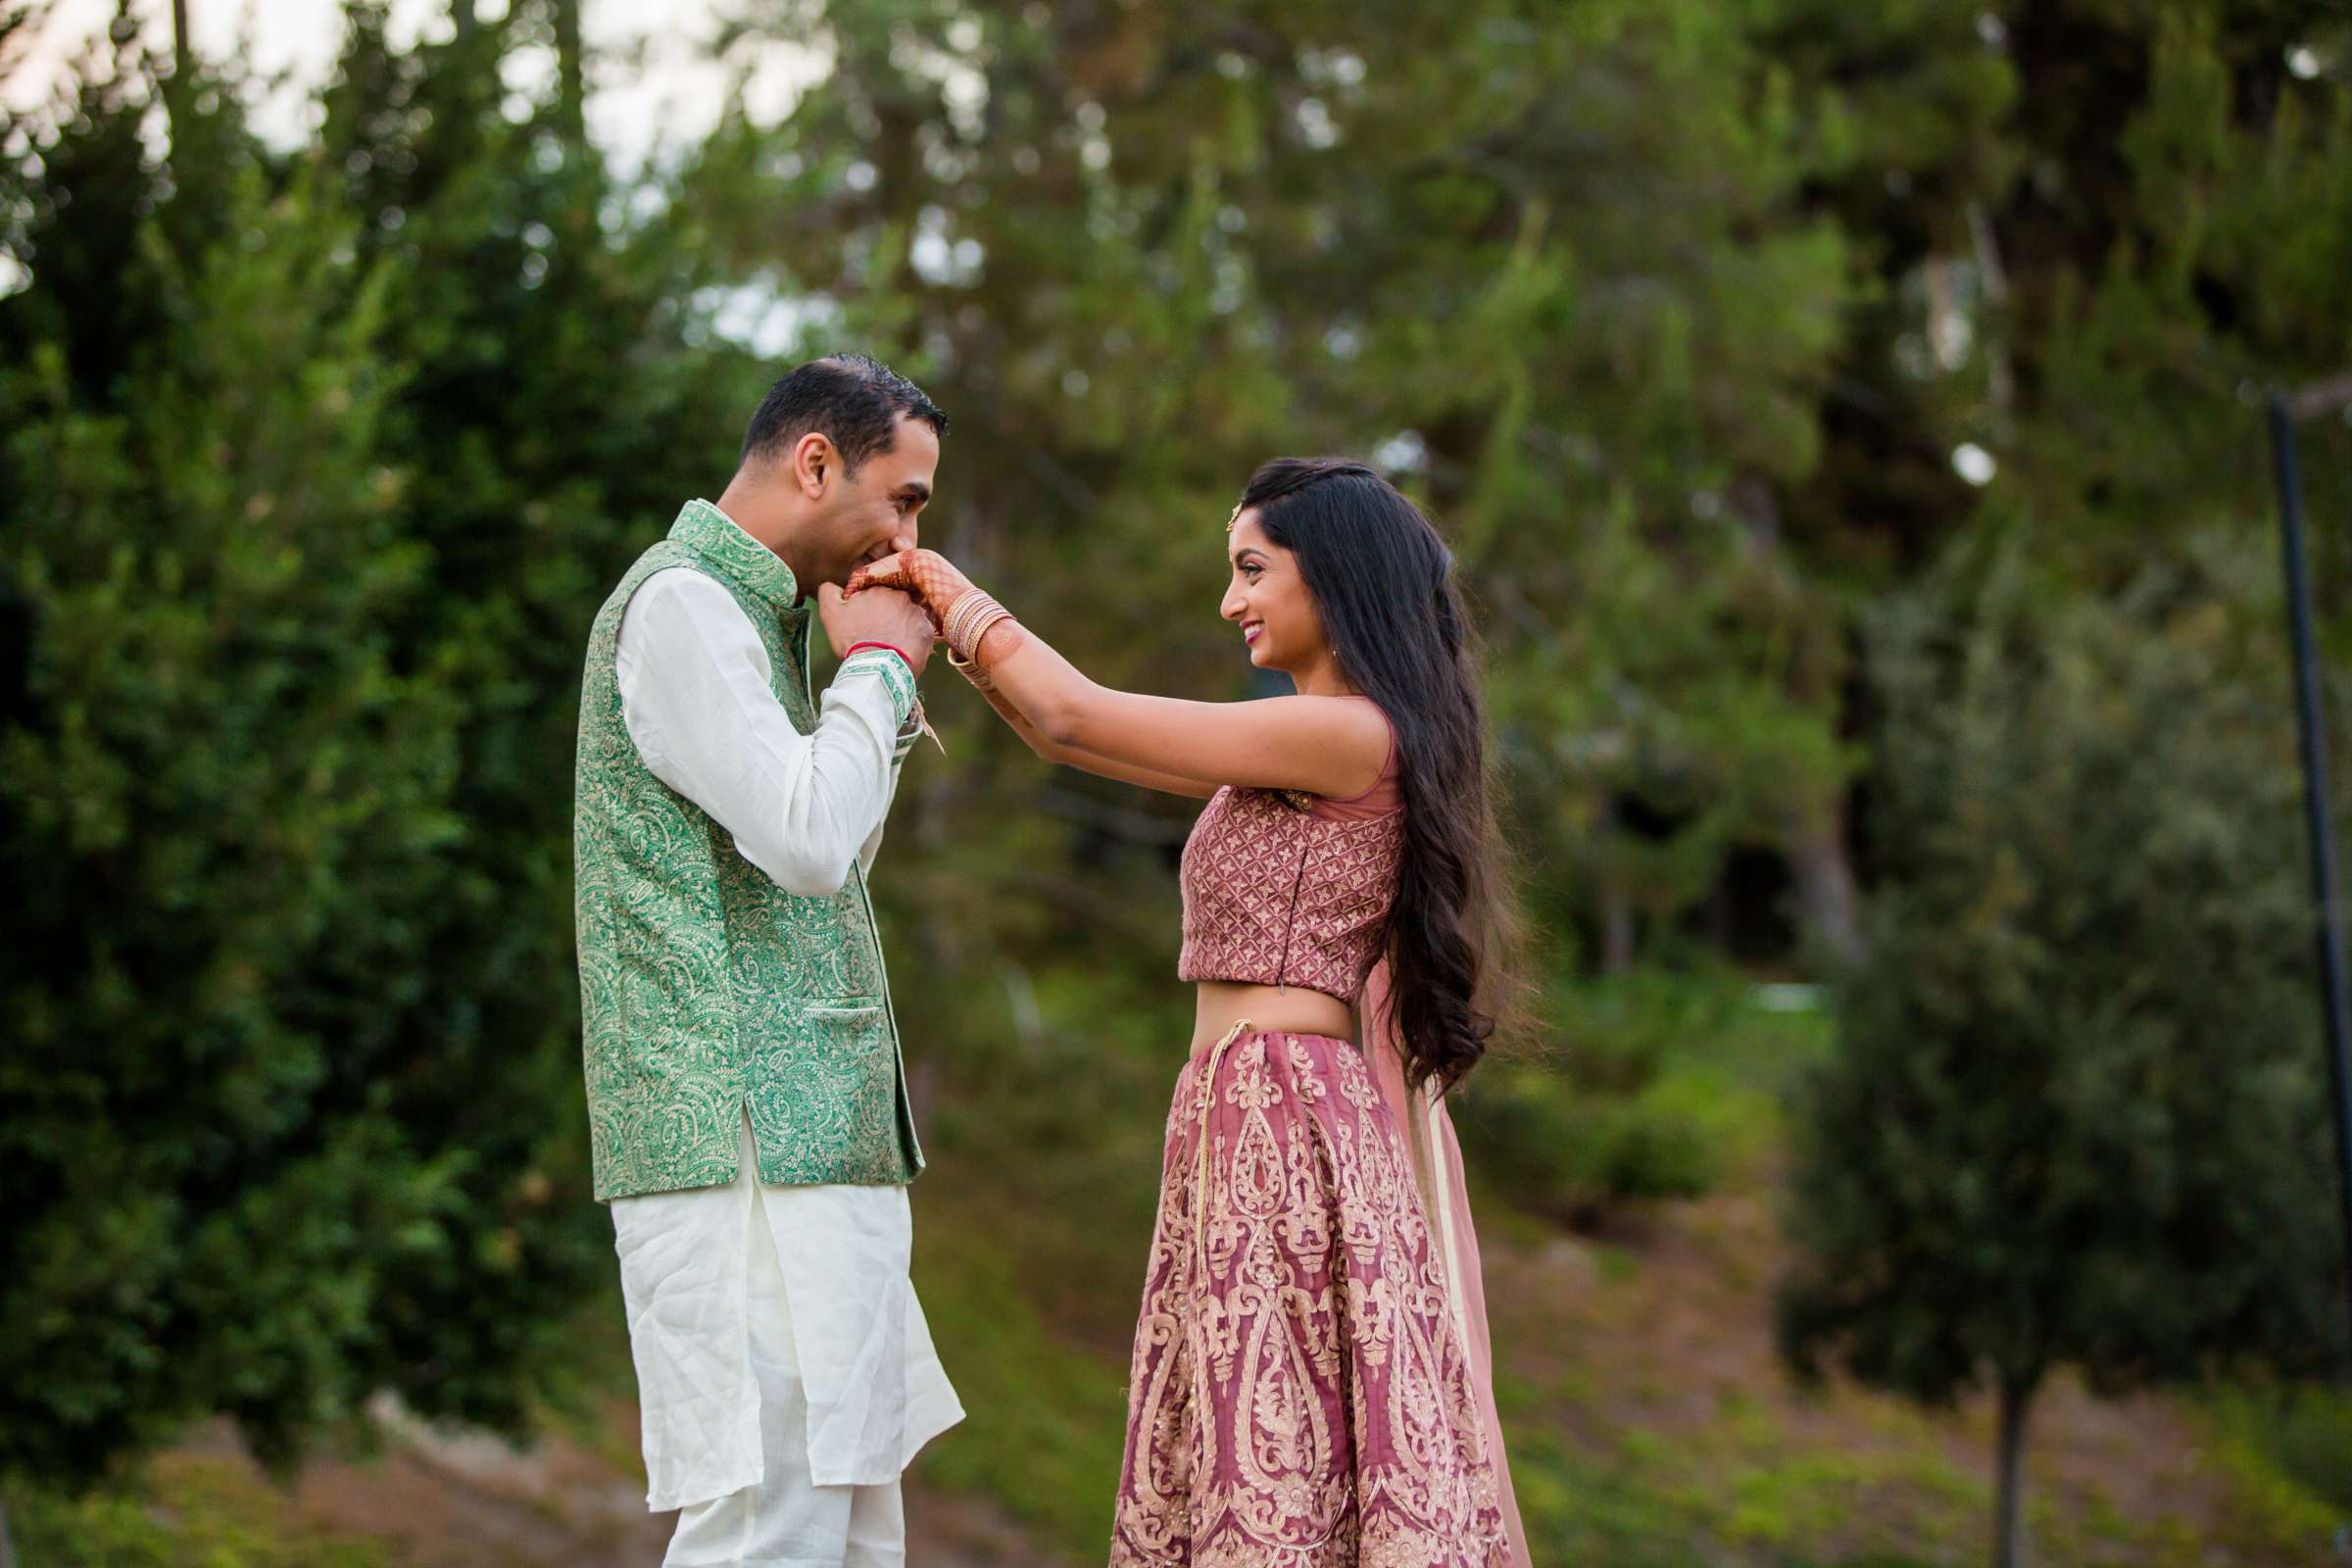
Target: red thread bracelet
column 888, row 647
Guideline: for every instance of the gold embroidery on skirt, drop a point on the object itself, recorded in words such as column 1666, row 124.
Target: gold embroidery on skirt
column 1300, row 1398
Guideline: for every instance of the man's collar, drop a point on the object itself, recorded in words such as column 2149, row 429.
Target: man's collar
column 711, row 534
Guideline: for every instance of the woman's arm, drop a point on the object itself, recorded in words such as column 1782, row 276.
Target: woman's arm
column 1323, row 745
column 1070, row 756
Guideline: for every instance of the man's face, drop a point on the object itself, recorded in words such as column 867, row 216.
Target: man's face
column 873, row 512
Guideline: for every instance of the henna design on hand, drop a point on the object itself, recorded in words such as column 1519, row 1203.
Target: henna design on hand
column 927, row 576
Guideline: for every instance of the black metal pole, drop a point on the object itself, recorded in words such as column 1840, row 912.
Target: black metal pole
column 2315, row 806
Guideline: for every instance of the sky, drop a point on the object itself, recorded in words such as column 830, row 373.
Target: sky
column 652, row 82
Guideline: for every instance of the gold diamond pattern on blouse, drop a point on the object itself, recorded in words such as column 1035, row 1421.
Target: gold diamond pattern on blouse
column 1275, row 895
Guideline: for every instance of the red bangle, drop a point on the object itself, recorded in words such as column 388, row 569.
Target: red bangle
column 887, row 647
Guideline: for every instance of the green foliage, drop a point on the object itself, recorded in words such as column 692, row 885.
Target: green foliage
column 227, row 803
column 298, row 547
column 192, row 1513
column 314, row 464
column 1046, row 1420
column 2076, row 1112
column 1416, row 236
column 1754, row 1487
column 1652, row 1086
column 1571, row 1158
column 2293, row 1445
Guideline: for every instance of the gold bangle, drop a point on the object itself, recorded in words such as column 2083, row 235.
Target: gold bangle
column 967, row 621
column 954, row 618
column 970, row 670
column 982, row 625
column 983, row 611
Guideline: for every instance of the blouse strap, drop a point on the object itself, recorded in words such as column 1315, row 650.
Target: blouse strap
column 1387, row 765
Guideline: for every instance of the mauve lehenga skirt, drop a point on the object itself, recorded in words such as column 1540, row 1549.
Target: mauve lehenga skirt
column 1299, row 1395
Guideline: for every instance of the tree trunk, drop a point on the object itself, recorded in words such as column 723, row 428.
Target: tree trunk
column 571, row 77
column 1992, row 319
column 1829, row 903
column 2009, row 1536
column 1617, row 934
column 461, row 16
column 176, row 101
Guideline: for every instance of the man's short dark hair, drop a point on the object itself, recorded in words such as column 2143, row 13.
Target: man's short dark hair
column 852, row 400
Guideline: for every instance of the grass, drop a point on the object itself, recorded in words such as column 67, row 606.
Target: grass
column 1028, row 1269
column 1046, row 1420
column 182, row 1510
column 1748, row 1489
column 1765, row 1479
column 1031, row 1232
column 1031, row 1229
column 2289, row 1455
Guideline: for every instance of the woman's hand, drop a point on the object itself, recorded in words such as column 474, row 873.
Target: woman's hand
column 929, row 577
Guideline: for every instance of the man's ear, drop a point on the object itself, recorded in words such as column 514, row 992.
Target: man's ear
column 815, row 463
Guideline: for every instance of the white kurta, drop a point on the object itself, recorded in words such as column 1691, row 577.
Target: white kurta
column 714, row 1278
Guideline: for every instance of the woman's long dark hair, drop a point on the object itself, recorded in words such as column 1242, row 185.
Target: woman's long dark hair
column 1383, row 582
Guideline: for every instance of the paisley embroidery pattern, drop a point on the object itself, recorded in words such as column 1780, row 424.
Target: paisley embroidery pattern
column 705, row 986
column 1298, row 1396
column 1276, row 896
column 893, row 674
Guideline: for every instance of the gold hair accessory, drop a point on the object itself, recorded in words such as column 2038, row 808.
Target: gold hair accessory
column 1235, row 520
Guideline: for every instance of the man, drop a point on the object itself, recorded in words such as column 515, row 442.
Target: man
column 745, row 1099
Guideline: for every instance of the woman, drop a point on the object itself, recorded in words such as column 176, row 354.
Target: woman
column 1303, row 1389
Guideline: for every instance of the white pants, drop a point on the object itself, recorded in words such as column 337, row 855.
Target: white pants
column 778, row 1339
column 786, row 1520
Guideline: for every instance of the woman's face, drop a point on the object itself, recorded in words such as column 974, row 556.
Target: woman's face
column 1268, row 599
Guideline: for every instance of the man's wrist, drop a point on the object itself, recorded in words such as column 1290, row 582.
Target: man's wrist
column 895, row 669
column 904, row 658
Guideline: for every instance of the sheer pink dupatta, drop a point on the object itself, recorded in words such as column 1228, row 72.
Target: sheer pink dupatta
column 1438, row 1171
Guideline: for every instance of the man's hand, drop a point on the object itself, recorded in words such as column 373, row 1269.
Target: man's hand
column 884, row 615
column 928, row 575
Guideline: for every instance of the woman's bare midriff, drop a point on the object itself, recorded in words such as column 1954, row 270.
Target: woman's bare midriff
column 1293, row 1010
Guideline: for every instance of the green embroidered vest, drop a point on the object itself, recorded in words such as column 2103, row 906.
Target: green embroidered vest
column 706, row 989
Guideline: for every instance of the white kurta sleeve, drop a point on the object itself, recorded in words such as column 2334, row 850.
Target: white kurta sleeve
column 908, row 734
column 695, row 698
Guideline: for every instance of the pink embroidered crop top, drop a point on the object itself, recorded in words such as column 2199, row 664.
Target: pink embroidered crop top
column 1284, row 888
